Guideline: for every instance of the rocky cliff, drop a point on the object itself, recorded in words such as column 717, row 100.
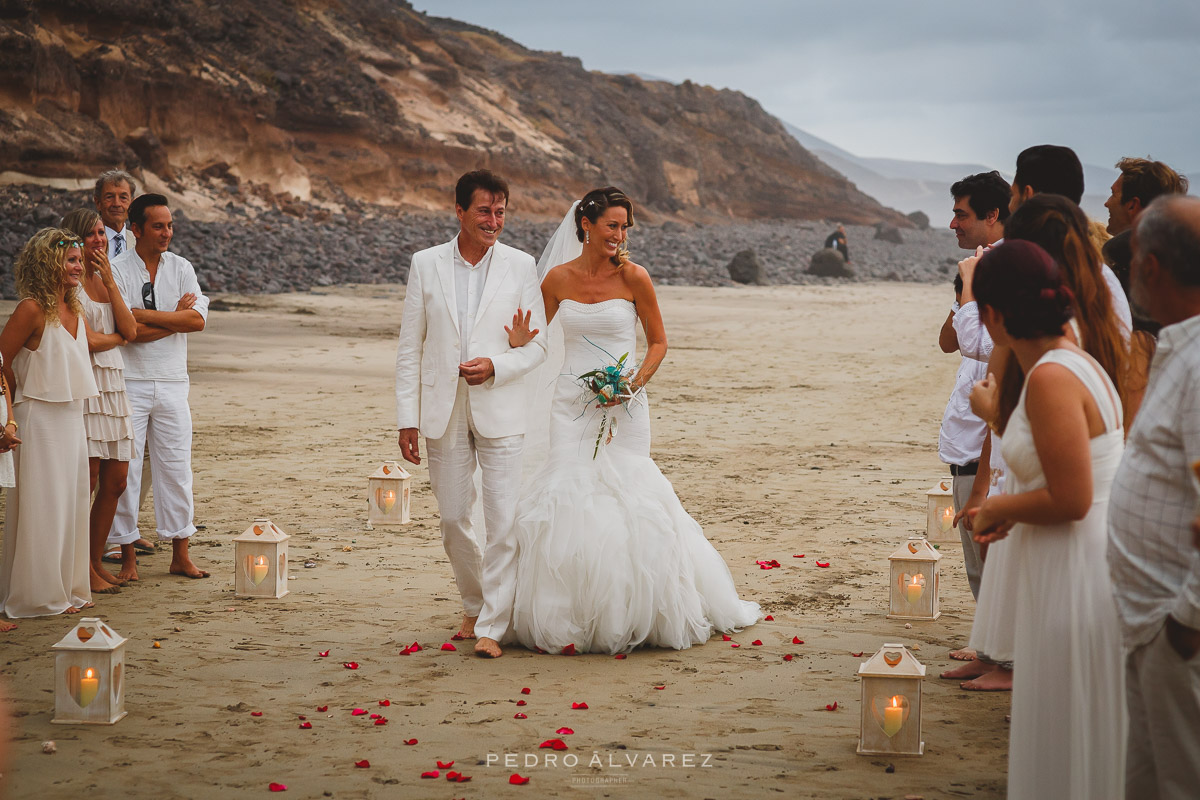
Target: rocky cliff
column 338, row 103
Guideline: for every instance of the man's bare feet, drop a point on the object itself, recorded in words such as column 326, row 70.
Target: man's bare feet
column 99, row 585
column 467, row 630
column 489, row 648
column 997, row 680
column 971, row 669
column 128, row 571
column 964, row 654
column 181, row 562
column 5, row 627
column 108, row 577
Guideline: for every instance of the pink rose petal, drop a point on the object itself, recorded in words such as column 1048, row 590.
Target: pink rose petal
column 555, row 744
column 564, row 731
column 517, row 780
column 358, row 712
column 323, row 654
column 579, row 706
column 448, row 646
column 519, row 715
column 445, row 764
column 431, row 774
column 757, row 643
column 362, row 764
column 458, row 637
column 725, row 637
column 381, row 721
column 350, row 664
column 735, row 644
column 385, row 702
column 277, row 787
column 410, row 742
column 256, row 713
column 462, row 779
column 831, row 706
column 376, row 716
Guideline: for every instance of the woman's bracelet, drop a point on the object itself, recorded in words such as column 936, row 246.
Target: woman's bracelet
column 12, row 422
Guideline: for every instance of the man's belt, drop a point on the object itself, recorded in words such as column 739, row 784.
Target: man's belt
column 968, row 469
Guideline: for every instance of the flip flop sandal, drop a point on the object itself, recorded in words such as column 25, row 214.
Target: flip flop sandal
column 113, row 557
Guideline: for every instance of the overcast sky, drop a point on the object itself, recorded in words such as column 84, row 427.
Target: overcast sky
column 927, row 80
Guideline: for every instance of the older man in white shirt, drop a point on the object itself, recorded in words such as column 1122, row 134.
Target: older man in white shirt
column 1155, row 568
column 114, row 192
column 161, row 289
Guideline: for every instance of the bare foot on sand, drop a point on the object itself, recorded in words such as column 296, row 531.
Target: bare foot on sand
column 128, row 573
column 489, row 648
column 181, row 562
column 964, row 654
column 5, row 627
column 71, row 610
column 997, row 680
column 467, row 629
column 971, row 669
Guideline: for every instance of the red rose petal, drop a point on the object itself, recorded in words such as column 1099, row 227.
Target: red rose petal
column 858, row 654
column 358, row 712
column 350, row 664
column 305, row 725
column 725, row 637
column 462, row 779
column 660, row 687
column 797, row 640
column 788, row 657
column 569, row 650
column 324, row 654
column 735, row 644
column 798, row 555
column 445, row 765
column 322, row 709
column 620, row 656
column 376, row 716
column 757, row 643
column 431, row 774
column 256, row 713
column 410, row 741
column 556, row 744
column 831, row 706
column 458, row 637
column 521, row 703
column 450, row 776
column 385, row 702
column 579, row 706
column 519, row 715
column 362, row 764
column 822, row 563
column 526, row 690
column 564, row 731
column 448, row 646
column 768, row 618
column 277, row 787
column 517, row 780
column 381, row 721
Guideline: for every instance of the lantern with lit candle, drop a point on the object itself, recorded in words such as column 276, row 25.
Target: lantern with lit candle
column 260, row 561
column 89, row 664
column 939, row 524
column 388, row 494
column 914, row 592
column 891, row 703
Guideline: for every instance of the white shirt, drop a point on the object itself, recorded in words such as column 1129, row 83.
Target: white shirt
column 165, row 359
column 468, row 287
column 1120, row 302
column 1154, row 564
column 960, row 439
column 128, row 242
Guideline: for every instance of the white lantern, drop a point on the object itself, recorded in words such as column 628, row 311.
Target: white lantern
column 914, row 591
column 389, row 492
column 939, row 526
column 89, row 667
column 891, row 703
column 260, row 561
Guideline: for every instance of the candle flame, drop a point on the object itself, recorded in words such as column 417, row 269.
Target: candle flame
column 260, row 561
column 895, row 702
column 89, row 674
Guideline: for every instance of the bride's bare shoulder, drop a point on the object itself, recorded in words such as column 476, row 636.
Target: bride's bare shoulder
column 635, row 274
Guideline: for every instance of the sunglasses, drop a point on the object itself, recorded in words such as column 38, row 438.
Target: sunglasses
column 148, row 296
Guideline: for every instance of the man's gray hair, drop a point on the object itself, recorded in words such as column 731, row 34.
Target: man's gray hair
column 1170, row 229
column 113, row 176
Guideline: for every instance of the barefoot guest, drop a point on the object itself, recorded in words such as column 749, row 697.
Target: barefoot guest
column 44, row 343
column 161, row 289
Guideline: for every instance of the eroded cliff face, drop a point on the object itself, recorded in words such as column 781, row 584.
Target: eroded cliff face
column 367, row 101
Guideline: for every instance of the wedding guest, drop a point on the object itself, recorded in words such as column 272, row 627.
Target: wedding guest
column 1155, row 569
column 1047, row 169
column 112, row 195
column 8, row 440
column 44, row 569
column 837, row 240
column 106, row 416
column 1062, row 442
column 161, row 289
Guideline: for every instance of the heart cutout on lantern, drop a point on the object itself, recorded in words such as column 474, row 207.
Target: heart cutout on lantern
column 258, row 531
column 387, row 470
column 257, row 568
column 945, row 487
column 912, row 587
column 116, row 682
column 892, row 658
column 83, row 685
column 83, row 634
column 912, row 547
column 890, row 713
column 283, row 564
column 385, row 499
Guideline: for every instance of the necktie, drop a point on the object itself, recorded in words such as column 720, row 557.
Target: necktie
column 118, row 244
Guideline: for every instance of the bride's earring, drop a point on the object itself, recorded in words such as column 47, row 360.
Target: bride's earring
column 587, row 237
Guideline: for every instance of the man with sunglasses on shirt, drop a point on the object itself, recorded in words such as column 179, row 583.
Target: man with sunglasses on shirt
column 165, row 298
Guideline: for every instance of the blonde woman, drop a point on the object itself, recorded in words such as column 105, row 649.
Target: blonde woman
column 44, row 570
column 106, row 416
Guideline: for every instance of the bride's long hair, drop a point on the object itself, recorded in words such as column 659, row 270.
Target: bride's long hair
column 593, row 205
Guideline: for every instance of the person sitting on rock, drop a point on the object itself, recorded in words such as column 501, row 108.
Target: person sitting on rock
column 837, row 240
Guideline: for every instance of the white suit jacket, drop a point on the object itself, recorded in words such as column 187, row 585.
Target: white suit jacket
column 428, row 354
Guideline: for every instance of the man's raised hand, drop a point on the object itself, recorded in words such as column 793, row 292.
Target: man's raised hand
column 519, row 334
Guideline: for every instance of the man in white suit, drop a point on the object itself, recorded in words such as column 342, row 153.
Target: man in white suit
column 459, row 384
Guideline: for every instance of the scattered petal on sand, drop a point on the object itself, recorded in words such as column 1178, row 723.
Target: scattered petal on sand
column 831, row 706
column 521, row 703
column 554, row 744
column 451, row 776
column 757, row 643
column 350, row 664
column 305, row 725
column 376, row 716
column 620, row 656
column 358, row 712
column 431, row 774
column 735, row 644
column 381, row 721
column 798, row 555
column 462, row 778
column 822, row 564
column 725, row 637
column 256, row 713
column 858, row 654
column 323, row 654
column 788, row 657
column 526, row 690
column 412, row 648
column 797, row 640
column 322, row 709
column 768, row 618
column 302, row 717
column 569, row 650
column 410, row 742
column 579, row 706
column 517, row 780
column 277, row 787
column 519, row 715
column 448, row 646
column 458, row 637
column 385, row 702
column 564, row 731
column 661, row 687
column 445, row 764
column 362, row 764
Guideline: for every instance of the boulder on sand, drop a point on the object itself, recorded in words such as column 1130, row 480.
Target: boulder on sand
column 745, row 268
column 828, row 263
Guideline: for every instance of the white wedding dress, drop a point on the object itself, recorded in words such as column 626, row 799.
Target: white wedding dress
column 607, row 557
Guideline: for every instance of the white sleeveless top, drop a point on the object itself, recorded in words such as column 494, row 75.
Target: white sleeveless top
column 59, row 371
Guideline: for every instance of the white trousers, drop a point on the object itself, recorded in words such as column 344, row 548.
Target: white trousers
column 486, row 578
column 1162, row 761
column 162, row 421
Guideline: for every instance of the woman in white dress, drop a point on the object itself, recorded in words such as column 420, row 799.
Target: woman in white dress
column 106, row 416
column 8, row 440
column 608, row 559
column 1062, row 443
column 44, row 569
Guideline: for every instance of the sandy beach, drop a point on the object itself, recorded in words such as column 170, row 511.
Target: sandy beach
column 791, row 420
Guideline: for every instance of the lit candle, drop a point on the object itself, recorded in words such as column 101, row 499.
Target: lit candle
column 947, row 518
column 914, row 591
column 389, row 500
column 260, row 569
column 89, row 685
column 893, row 718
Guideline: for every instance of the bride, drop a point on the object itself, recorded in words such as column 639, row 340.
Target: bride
column 607, row 557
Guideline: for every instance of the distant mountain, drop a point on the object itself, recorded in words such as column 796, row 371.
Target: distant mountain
column 924, row 185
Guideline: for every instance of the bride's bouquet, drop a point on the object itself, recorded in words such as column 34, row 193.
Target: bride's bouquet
column 604, row 385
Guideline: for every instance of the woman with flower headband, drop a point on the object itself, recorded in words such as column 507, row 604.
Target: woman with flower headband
column 44, row 569
column 106, row 416
column 608, row 559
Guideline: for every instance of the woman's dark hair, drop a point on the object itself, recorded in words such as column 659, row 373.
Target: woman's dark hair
column 1024, row 285
column 594, row 204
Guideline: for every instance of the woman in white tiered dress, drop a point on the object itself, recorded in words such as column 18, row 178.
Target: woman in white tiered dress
column 44, row 569
column 106, row 416
column 608, row 559
column 1062, row 444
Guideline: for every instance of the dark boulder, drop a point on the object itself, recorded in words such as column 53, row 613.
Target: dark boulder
column 888, row 233
column 920, row 219
column 745, row 269
column 828, row 263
